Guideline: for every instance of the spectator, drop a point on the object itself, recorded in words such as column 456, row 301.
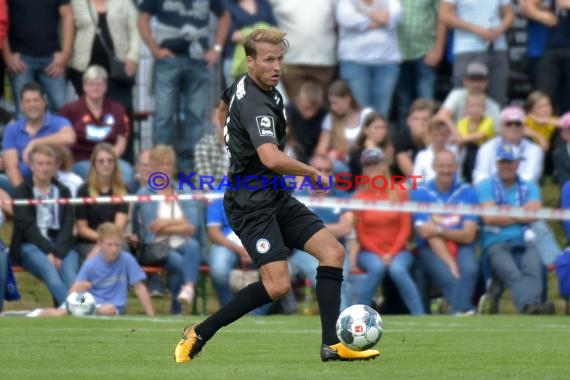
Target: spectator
column 472, row 131
column 103, row 180
column 540, row 18
column 64, row 163
column 409, row 141
column 305, row 116
column 97, row 118
column 422, row 38
column 178, row 223
column 446, row 243
column 3, row 24
column 368, row 50
column 480, row 36
column 540, row 125
column 211, row 157
column 33, row 47
column 42, row 238
column 107, row 277
column 512, row 132
column 561, row 156
column 243, row 14
column 508, row 242
column 101, row 28
column 143, row 171
column 439, row 137
column 382, row 237
column 34, row 128
column 341, row 125
column 475, row 82
column 182, row 58
column 299, row 19
column 374, row 134
column 565, row 204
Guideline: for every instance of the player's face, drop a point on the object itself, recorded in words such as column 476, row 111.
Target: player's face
column 267, row 65
column 110, row 248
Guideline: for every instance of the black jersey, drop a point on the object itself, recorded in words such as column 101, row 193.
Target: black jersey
column 255, row 117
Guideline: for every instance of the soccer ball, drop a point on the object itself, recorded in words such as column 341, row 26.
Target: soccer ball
column 80, row 304
column 359, row 327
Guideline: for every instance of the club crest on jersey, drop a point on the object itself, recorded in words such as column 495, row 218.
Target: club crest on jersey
column 266, row 126
column 262, row 246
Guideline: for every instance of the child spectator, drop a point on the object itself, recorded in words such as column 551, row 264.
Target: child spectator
column 540, row 124
column 473, row 130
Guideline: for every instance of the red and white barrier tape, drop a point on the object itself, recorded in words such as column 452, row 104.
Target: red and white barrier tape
column 325, row 202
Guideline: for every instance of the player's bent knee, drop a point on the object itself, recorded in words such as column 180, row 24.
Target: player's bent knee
column 278, row 290
column 334, row 256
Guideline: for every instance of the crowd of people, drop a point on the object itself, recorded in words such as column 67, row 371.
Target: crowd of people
column 360, row 84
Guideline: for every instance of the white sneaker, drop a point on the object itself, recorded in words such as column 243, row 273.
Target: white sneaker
column 186, row 294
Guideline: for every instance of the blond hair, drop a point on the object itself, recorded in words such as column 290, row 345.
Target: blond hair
column 421, row 105
column 117, row 183
column 533, row 98
column 45, row 149
column 108, row 229
column 272, row 36
column 341, row 89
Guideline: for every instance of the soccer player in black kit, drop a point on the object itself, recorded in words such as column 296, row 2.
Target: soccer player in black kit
column 267, row 219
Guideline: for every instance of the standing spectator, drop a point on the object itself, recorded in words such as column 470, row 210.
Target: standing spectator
column 33, row 47
column 181, row 69
column 475, row 82
column 554, row 65
column 422, row 44
column 243, row 14
column 382, row 238
column 305, row 116
column 368, row 50
column 479, row 35
column 540, row 18
column 100, row 26
column 104, row 179
column 42, row 238
column 447, row 242
column 3, row 26
column 34, row 128
column 561, row 156
column 512, row 132
column 508, row 242
column 299, row 19
column 96, row 118
column 409, row 141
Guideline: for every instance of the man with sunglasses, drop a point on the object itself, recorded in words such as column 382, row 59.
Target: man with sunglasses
column 512, row 132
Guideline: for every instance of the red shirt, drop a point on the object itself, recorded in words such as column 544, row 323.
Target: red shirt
column 91, row 130
column 383, row 232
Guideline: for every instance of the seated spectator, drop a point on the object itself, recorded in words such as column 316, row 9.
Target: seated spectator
column 508, row 242
column 107, row 276
column 446, row 243
column 439, row 137
column 211, row 158
column 382, row 238
column 374, row 134
column 472, row 131
column 341, row 125
column 540, row 124
column 97, row 118
column 565, row 204
column 178, row 223
column 64, row 163
column 561, row 156
column 142, row 172
column 305, row 116
column 42, row 238
column 34, row 128
column 103, row 180
column 475, row 81
column 512, row 132
column 409, row 141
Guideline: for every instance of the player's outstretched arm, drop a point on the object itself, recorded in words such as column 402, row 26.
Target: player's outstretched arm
column 277, row 161
column 144, row 298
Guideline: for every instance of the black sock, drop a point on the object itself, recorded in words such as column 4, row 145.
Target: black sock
column 249, row 298
column 329, row 281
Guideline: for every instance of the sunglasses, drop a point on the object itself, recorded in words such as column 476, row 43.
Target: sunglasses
column 514, row 124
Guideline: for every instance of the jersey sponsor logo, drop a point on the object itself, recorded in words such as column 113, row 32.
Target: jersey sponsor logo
column 266, row 126
column 262, row 246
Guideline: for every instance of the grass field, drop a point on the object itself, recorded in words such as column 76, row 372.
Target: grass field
column 284, row 347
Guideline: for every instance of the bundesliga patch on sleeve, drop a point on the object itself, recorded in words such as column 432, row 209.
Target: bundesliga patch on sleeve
column 266, row 126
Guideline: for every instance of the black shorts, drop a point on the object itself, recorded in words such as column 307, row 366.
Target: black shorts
column 268, row 234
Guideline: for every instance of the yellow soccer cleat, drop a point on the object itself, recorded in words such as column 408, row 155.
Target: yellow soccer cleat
column 342, row 353
column 189, row 346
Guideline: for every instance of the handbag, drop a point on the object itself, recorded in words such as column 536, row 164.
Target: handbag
column 116, row 67
column 240, row 278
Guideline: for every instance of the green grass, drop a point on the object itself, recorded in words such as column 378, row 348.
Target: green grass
column 283, row 347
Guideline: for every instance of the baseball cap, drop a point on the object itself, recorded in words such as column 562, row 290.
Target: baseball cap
column 511, row 114
column 372, row 156
column 565, row 120
column 507, row 152
column 477, row 69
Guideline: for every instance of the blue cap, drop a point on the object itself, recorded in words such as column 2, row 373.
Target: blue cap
column 507, row 152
